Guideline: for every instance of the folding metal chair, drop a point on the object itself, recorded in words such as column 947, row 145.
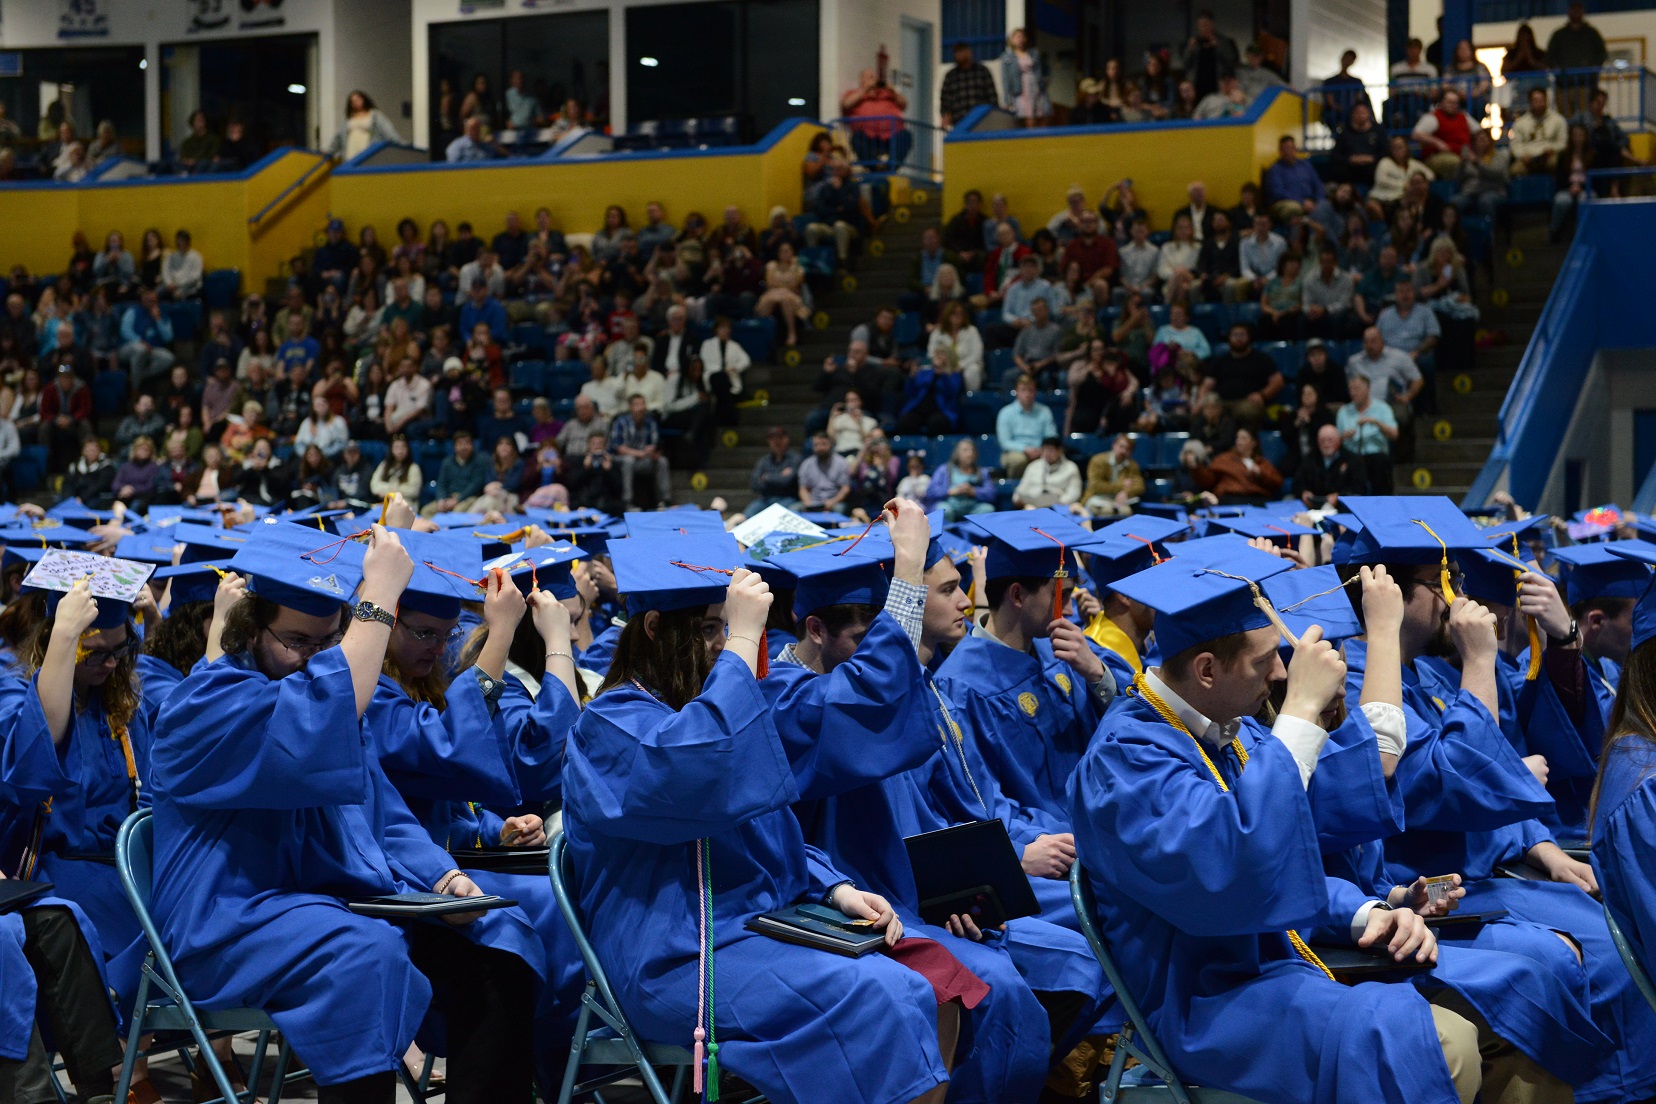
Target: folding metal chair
column 611, row 1042
column 1630, row 959
column 1136, row 1040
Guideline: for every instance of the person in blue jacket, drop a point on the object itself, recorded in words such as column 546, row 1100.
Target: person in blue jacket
column 272, row 812
column 1196, row 827
column 678, row 794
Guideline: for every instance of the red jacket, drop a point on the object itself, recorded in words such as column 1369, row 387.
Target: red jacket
column 991, row 267
column 1454, row 131
column 77, row 404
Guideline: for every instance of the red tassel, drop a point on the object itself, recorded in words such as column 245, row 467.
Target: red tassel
column 764, row 654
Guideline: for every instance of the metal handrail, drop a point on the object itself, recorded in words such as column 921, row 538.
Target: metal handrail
column 915, row 148
column 323, row 159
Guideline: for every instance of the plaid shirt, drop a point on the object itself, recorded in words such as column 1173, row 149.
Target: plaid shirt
column 626, row 433
column 964, row 89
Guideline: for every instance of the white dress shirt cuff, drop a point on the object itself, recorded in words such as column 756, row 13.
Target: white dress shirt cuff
column 1359, row 923
column 1391, row 729
column 1305, row 741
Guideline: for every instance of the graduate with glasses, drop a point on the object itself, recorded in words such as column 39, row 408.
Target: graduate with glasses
column 678, row 814
column 1472, row 805
column 271, row 811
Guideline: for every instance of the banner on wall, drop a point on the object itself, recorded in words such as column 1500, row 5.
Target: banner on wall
column 261, row 15
column 207, row 16
column 83, row 19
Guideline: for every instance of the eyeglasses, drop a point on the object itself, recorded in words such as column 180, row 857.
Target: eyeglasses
column 305, row 646
column 431, row 636
column 100, row 657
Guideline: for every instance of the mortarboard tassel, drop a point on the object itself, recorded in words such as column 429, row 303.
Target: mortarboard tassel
column 1263, row 603
column 1444, row 580
column 762, row 668
column 1529, row 622
column 1061, row 574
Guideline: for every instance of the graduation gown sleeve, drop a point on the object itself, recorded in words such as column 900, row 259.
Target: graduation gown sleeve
column 1352, row 800
column 429, row 753
column 537, row 732
column 30, row 768
column 1624, row 842
column 649, row 774
column 863, row 721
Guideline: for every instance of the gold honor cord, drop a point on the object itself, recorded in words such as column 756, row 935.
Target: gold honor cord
column 1301, row 948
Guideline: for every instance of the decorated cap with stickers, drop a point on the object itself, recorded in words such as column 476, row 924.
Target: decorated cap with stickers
column 114, row 583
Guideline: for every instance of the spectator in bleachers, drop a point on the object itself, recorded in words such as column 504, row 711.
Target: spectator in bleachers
column 603, row 389
column 408, row 398
column 75, row 165
column 1156, row 84
column 1104, row 397
column 1443, row 132
column 784, row 287
column 916, row 480
column 238, row 150
column 180, row 474
column 1198, row 210
column 1167, row 406
column 1484, row 174
column 1328, row 217
column 641, row 381
column 1376, row 290
column 626, row 271
column 775, row 479
column 1036, row 350
column 146, row 337
column 362, row 126
column 99, row 327
column 1329, row 472
column 1409, row 327
column 483, row 308
column 200, row 146
column 114, row 269
column 323, row 428
column 1021, row 426
column 1024, row 74
column 967, row 232
column 1441, row 282
column 1258, row 255
column 1299, row 425
column 824, row 478
column 221, row 344
column 1537, row 137
column 961, row 486
column 1576, row 45
column 263, row 480
column 1412, row 81
column 1291, row 184
column 24, row 409
column 1471, row 78
column 836, row 211
column 1326, row 296
column 1095, row 253
column 1241, row 473
column 1114, row 480
column 1050, row 479
column 874, row 475
column 298, row 349
column 572, row 437
column 1140, row 263
column 595, row 479
column 1358, row 253
column 472, row 144
column 779, row 231
column 1359, row 147
column 673, row 348
column 930, row 257
column 486, row 267
column 689, row 410
column 1393, row 376
column 1190, row 341
column 217, row 477
column 999, row 212
column 960, row 341
column 1321, row 372
column 635, row 439
column 65, row 351
column 352, row 474
column 1067, row 223
column 143, row 421
column 1208, row 55
column 462, row 478
column 850, row 426
column 880, row 336
column 1185, row 99
column 876, row 110
column 1245, row 378
column 1089, row 110
column 1227, row 101
column 222, row 394
column 523, row 110
column 397, row 473
column 1341, row 94
column 724, row 361
column 178, row 392
column 1176, row 266
column 945, row 289
column 403, row 305
column 1219, row 264
column 409, row 245
column 965, row 86
column 1570, row 179
column 90, row 479
column 1002, row 267
column 151, row 252
column 655, row 233
column 1368, row 428
column 511, row 245
column 931, row 398
column 313, row 479
column 1610, row 145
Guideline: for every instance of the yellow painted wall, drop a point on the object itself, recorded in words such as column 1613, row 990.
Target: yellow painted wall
column 576, row 190
column 36, row 224
column 1035, row 172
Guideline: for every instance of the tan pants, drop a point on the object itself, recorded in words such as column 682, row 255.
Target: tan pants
column 1481, row 1063
column 1444, row 165
column 1014, row 463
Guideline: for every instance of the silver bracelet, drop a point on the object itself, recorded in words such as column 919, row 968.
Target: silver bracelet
column 749, row 639
column 566, row 655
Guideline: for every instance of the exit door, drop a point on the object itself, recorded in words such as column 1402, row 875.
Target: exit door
column 913, row 76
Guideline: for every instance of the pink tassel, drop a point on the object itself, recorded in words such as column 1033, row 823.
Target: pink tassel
column 696, row 1066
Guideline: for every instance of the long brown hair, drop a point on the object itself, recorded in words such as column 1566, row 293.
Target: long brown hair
column 528, row 651
column 180, row 640
column 673, row 664
column 118, row 696
column 1632, row 717
column 20, row 617
column 432, row 689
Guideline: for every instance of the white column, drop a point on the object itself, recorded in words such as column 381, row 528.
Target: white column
column 618, row 56
column 152, row 101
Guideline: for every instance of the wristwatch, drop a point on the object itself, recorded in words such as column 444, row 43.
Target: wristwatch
column 368, row 611
column 1569, row 641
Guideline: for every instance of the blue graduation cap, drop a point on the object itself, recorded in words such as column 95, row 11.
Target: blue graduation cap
column 324, row 521
column 297, row 567
column 548, row 566
column 1614, row 569
column 22, row 554
column 836, row 574
column 1409, row 529
column 1536, row 527
column 154, row 547
column 1196, row 604
column 676, row 571
column 561, row 519
column 1109, row 560
column 161, row 517
column 48, row 534
column 1487, row 574
column 1146, row 527
column 71, row 512
column 1642, row 554
column 203, row 543
column 1254, row 525
column 1315, row 596
column 593, row 538
column 1228, row 548
column 1028, row 543
column 191, row 582
column 115, row 583
column 446, row 571
column 454, row 519
column 826, row 518
column 1172, row 511
column 690, row 520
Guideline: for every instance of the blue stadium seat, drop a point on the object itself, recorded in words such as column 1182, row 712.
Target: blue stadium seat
column 1270, row 444
column 974, row 283
column 720, row 130
column 1287, row 354
column 1002, row 369
column 1341, row 351
column 1525, row 191
column 1168, row 447
column 563, row 408
column 1146, row 449
column 1212, row 319
column 563, row 379
column 978, row 410
column 28, row 470
column 910, row 328
column 185, row 316
column 529, row 334
column 1003, row 493
column 939, row 449
column 221, row 287
column 1084, row 446
column 109, row 392
column 986, row 318
column 1158, row 315
column 374, row 452
column 1245, row 312
column 820, row 260
column 758, row 337
column 528, row 375
column 1057, row 401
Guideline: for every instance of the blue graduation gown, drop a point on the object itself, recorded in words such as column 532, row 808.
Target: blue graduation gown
column 536, row 727
column 1034, row 714
column 862, row 832
column 1196, row 889
column 1522, row 978
column 1473, row 805
column 85, row 780
column 1624, row 842
column 156, row 679
column 597, row 655
column 642, row 786
column 270, row 810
